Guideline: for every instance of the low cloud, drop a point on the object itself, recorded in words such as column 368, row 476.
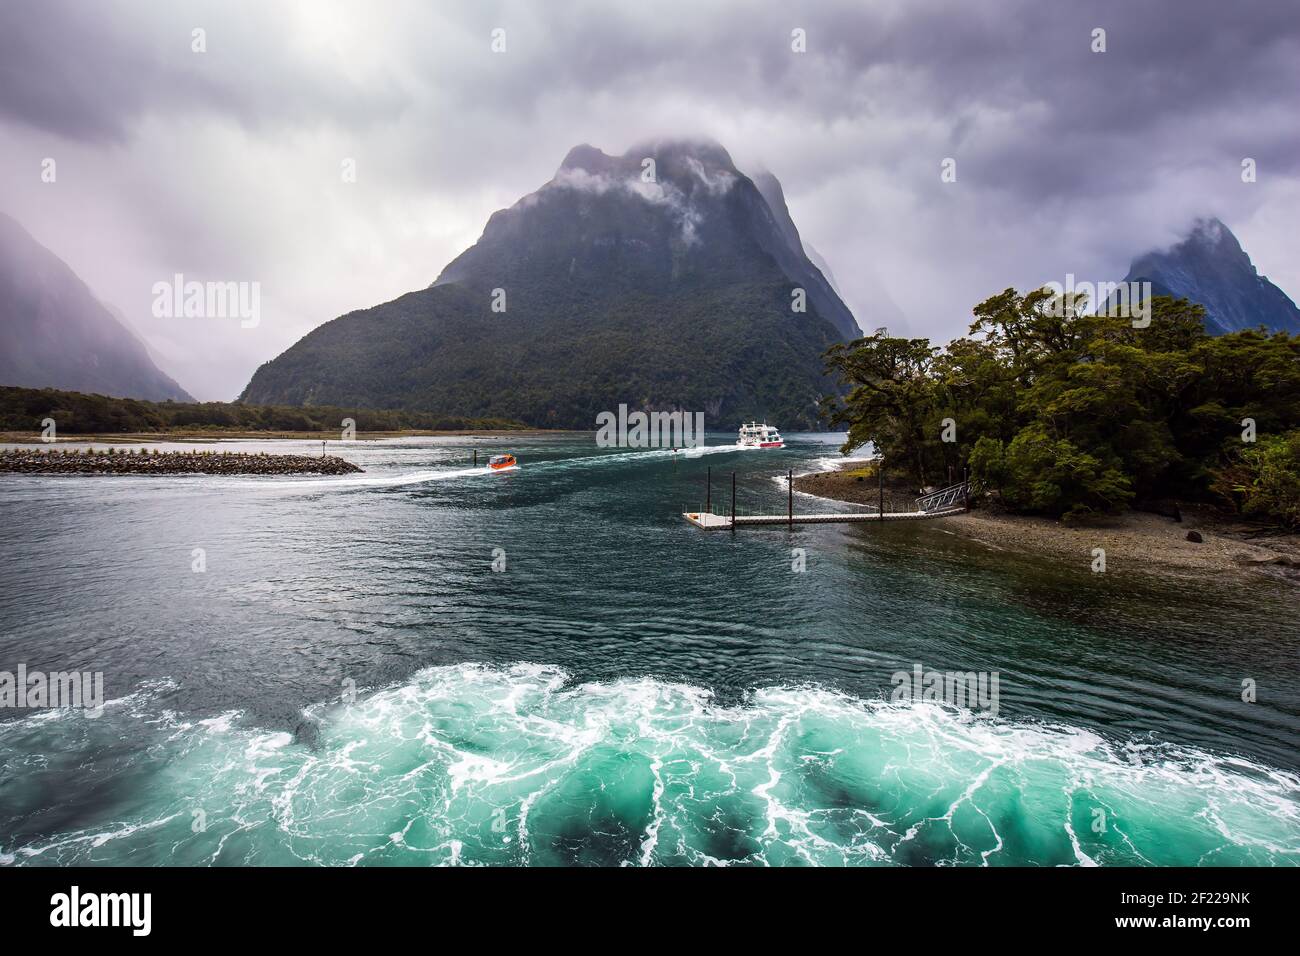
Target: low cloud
column 225, row 165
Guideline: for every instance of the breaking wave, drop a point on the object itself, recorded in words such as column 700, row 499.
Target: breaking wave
column 469, row 764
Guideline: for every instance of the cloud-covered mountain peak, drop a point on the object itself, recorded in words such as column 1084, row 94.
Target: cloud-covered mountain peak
column 683, row 165
column 1209, row 266
column 672, row 210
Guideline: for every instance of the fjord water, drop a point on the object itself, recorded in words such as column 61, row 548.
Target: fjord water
column 628, row 690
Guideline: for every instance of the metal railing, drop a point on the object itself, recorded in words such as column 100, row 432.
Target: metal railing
column 948, row 497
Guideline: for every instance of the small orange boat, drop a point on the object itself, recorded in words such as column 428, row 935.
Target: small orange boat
column 498, row 462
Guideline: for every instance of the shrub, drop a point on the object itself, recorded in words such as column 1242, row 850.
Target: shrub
column 1045, row 475
column 1264, row 480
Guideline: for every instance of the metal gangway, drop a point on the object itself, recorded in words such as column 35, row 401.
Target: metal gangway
column 944, row 498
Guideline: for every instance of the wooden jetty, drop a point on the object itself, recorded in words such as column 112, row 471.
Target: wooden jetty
column 712, row 522
column 937, row 504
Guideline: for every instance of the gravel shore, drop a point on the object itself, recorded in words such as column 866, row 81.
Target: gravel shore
column 1135, row 541
column 858, row 485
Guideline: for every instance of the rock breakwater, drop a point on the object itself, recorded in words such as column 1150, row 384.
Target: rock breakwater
column 146, row 461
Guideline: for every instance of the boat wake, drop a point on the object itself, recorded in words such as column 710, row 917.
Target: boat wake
column 643, row 455
column 389, row 481
column 469, row 764
column 350, row 483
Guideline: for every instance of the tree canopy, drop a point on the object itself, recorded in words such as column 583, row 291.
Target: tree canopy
column 1061, row 411
column 23, row 410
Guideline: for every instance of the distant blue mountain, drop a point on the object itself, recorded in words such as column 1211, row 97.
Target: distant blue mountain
column 1211, row 268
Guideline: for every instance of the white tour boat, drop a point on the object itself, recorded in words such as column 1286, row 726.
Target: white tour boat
column 754, row 435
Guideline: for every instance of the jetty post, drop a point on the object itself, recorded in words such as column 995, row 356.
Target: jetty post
column 789, row 508
column 880, row 477
column 475, row 457
column 733, row 502
column 708, row 495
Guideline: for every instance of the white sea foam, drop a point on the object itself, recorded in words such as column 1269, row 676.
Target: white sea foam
column 386, row 481
column 348, row 483
column 476, row 764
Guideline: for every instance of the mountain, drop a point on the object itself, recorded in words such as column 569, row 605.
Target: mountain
column 793, row 257
column 661, row 292
column 54, row 333
column 1211, row 268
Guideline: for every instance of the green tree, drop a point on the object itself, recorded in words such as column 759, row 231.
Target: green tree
column 891, row 398
column 1067, row 412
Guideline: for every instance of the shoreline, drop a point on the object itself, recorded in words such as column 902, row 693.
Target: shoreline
column 1135, row 541
column 856, row 483
column 234, row 434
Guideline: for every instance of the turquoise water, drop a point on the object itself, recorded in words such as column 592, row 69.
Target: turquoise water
column 628, row 691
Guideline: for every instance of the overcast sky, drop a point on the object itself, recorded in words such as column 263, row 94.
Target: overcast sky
column 226, row 165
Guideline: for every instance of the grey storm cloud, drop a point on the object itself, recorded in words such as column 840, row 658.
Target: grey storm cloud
column 226, row 164
column 90, row 71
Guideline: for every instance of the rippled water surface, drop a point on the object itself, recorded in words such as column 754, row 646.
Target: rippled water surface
column 628, row 690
